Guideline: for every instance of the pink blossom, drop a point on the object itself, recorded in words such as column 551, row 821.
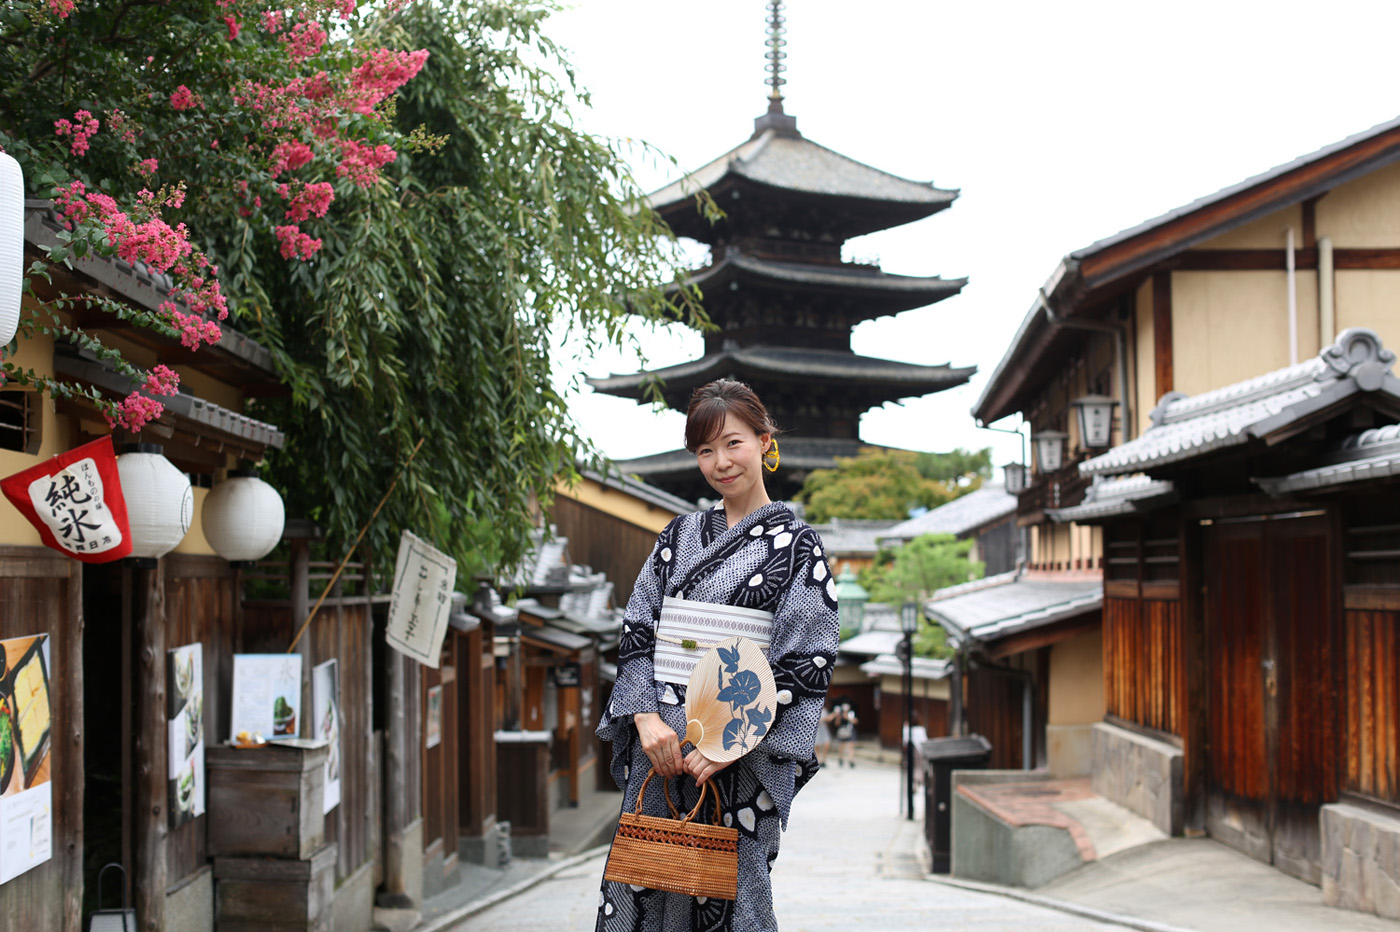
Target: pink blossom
column 233, row 27
column 288, row 156
column 313, row 200
column 382, row 73
column 183, row 98
column 161, row 380
column 122, row 125
column 304, row 41
column 361, row 163
column 83, row 127
column 147, row 167
column 296, row 244
column 272, row 21
column 134, row 412
column 61, row 7
column 346, row 8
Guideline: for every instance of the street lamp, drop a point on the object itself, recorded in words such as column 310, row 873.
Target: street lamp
column 850, row 602
column 1050, row 450
column 1095, row 419
column 1015, row 474
column 909, row 623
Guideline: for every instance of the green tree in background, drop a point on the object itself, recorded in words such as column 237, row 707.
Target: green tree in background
column 913, row 572
column 890, row 484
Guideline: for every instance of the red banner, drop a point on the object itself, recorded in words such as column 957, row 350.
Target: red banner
column 75, row 500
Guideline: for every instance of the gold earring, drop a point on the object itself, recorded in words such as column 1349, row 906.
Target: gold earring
column 770, row 459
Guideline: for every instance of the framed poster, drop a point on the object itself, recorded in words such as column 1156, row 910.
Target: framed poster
column 184, row 700
column 432, row 724
column 422, row 599
column 325, row 718
column 266, row 695
column 26, row 756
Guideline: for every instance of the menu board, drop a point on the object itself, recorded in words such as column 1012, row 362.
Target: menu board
column 266, row 695
column 325, row 712
column 26, row 798
column 184, row 699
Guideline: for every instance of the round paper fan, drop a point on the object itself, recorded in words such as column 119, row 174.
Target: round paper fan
column 730, row 700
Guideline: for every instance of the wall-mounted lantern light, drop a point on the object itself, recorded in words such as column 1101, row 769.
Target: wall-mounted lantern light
column 1050, row 450
column 1095, row 420
column 1015, row 474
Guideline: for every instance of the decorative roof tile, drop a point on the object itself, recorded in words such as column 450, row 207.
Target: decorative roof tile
column 923, row 668
column 1186, row 427
column 1115, row 497
column 1010, row 604
column 1370, row 455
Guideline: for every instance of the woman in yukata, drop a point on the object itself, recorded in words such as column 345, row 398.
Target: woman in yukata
column 746, row 551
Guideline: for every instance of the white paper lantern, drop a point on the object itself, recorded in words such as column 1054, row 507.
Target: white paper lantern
column 11, row 245
column 159, row 500
column 243, row 518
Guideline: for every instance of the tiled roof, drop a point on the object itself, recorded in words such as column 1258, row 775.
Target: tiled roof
column 923, row 668
column 795, row 163
column 1371, row 454
column 642, row 490
column 1186, row 427
column 966, row 513
column 872, row 643
column 1010, row 604
column 850, row 537
column 795, row 362
column 1114, row 497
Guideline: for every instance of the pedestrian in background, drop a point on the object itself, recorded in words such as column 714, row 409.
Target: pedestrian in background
column 846, row 720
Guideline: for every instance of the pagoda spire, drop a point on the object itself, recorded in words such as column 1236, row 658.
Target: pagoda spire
column 775, row 118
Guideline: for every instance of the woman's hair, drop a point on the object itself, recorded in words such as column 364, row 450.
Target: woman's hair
column 710, row 403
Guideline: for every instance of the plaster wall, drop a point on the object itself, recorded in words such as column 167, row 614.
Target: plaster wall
column 1142, row 349
column 1363, row 213
column 618, row 504
column 1231, row 326
column 1264, row 233
column 1370, row 298
column 1076, row 680
column 923, row 688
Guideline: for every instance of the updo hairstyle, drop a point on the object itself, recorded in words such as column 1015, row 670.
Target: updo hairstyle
column 709, row 404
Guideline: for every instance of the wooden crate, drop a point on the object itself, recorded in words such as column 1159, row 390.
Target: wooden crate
column 274, row 894
column 266, row 801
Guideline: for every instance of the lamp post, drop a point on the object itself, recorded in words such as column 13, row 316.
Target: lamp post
column 909, row 622
column 850, row 602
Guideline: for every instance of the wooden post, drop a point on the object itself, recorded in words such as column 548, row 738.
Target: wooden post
column 396, row 786
column 301, row 607
column 68, row 741
column 149, row 774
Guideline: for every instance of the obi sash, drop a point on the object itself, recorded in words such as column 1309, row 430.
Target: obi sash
column 688, row 629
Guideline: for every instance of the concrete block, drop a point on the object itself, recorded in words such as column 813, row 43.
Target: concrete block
column 1141, row 774
column 190, row 906
column 1361, row 859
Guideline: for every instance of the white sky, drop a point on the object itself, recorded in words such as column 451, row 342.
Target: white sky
column 1061, row 123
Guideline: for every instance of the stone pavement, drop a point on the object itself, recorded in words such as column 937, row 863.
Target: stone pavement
column 851, row 861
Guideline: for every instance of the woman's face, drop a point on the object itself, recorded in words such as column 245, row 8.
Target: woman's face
column 732, row 463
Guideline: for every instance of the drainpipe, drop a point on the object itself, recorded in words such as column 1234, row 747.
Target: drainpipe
column 1291, row 265
column 1120, row 333
column 1326, row 297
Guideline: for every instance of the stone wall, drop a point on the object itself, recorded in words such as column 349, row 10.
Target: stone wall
column 1361, row 860
column 1140, row 774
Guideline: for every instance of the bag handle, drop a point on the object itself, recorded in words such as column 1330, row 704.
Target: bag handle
column 675, row 814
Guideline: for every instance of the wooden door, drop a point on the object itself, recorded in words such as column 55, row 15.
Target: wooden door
column 1271, row 630
column 439, row 749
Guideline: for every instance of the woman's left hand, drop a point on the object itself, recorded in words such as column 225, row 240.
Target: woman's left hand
column 701, row 767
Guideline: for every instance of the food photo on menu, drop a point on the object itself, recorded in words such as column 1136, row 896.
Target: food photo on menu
column 185, row 720
column 25, row 755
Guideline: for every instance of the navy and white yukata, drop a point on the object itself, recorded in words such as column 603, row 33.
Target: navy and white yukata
column 770, row 561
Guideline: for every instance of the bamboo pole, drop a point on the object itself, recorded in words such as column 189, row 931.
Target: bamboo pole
column 330, row 583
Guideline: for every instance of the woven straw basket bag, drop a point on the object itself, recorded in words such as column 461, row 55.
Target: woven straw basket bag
column 678, row 855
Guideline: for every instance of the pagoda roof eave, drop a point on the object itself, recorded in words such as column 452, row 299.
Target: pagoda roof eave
column 898, row 292
column 885, row 377
column 792, row 163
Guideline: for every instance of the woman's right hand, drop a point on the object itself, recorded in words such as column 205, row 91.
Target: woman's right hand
column 660, row 743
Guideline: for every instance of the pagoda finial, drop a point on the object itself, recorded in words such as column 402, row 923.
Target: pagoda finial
column 776, row 42
column 775, row 119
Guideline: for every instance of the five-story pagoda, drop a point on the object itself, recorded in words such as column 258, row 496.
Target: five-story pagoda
column 782, row 299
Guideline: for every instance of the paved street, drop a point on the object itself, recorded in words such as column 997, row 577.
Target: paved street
column 847, row 863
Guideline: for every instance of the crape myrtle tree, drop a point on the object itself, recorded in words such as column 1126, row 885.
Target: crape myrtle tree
column 392, row 197
column 879, row 483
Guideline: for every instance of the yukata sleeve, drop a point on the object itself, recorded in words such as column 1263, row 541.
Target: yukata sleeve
column 635, row 689
column 806, row 634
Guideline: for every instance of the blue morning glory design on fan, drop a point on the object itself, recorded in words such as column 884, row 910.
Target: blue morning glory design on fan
column 750, row 722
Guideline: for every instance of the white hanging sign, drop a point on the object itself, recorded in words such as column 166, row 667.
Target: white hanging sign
column 422, row 599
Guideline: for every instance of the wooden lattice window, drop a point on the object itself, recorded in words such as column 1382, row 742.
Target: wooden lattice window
column 19, row 421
